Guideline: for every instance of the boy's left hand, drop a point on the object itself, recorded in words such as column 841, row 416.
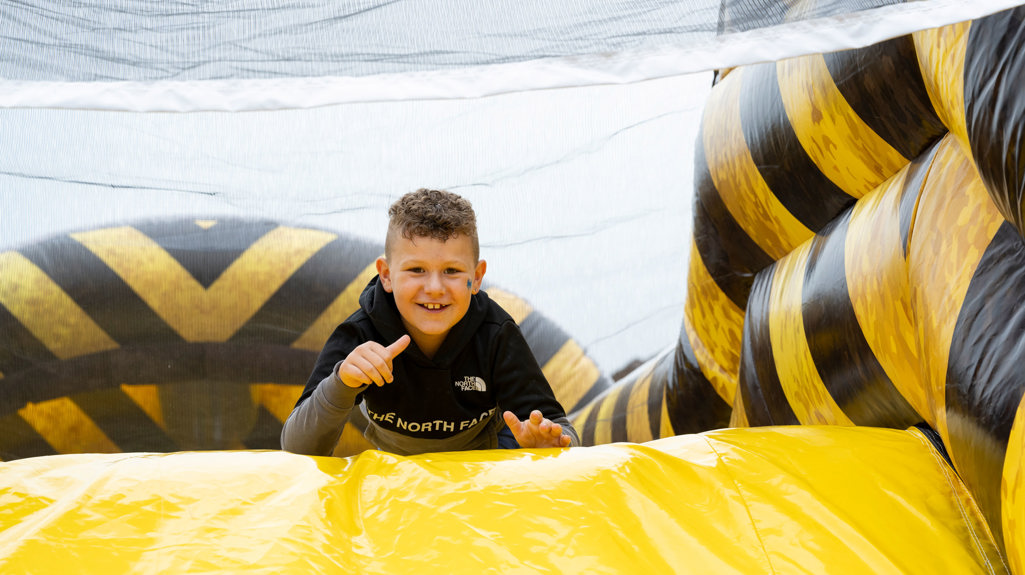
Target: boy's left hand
column 536, row 431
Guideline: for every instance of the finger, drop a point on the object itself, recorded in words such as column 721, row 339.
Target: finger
column 565, row 441
column 352, row 376
column 369, row 370
column 512, row 421
column 520, row 429
column 397, row 347
column 536, row 417
column 381, row 361
column 545, row 426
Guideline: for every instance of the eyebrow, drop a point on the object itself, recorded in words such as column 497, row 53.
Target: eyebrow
column 449, row 263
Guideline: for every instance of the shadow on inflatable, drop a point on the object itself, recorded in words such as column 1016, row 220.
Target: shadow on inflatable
column 845, row 395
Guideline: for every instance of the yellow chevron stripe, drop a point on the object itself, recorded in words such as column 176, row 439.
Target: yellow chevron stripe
column 66, row 427
column 199, row 314
column 512, row 304
column 579, row 418
column 1012, row 493
column 606, row 416
column 806, row 394
column 738, row 417
column 665, row 428
column 741, row 187
column 571, row 373
column 638, row 424
column 147, row 397
column 47, row 311
column 343, row 306
column 877, row 282
column 956, row 220
column 941, row 57
column 277, row 398
column 714, row 326
column 822, row 118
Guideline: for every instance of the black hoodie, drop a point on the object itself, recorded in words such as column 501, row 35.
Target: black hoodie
column 453, row 401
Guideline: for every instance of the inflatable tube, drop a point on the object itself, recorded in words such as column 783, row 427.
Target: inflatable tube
column 857, row 253
column 857, row 256
column 172, row 335
column 738, row 501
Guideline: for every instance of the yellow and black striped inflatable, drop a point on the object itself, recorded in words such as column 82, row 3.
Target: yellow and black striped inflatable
column 855, row 257
column 186, row 334
column 858, row 257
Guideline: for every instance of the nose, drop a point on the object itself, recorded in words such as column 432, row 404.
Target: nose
column 434, row 284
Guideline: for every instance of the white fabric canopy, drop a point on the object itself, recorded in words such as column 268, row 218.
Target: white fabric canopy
column 570, row 125
column 254, row 55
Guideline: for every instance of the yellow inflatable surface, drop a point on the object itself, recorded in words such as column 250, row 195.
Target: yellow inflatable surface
column 775, row 500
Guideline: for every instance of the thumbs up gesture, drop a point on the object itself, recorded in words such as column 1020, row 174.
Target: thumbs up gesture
column 371, row 362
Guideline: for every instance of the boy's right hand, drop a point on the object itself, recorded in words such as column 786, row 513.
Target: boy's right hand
column 371, row 362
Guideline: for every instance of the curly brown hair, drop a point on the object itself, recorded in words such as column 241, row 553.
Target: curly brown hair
column 437, row 214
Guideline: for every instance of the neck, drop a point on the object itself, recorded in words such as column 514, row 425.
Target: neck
column 428, row 344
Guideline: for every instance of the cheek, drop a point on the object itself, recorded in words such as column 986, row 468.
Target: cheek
column 399, row 287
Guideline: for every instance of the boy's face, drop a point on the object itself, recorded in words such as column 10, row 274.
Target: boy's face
column 432, row 282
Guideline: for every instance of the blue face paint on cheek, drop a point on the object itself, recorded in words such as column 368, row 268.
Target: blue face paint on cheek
column 468, row 284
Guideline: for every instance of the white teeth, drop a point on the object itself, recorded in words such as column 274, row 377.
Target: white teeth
column 432, row 305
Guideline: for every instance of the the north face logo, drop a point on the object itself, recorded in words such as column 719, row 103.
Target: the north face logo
column 472, row 384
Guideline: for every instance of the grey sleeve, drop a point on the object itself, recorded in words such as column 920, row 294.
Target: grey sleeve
column 314, row 426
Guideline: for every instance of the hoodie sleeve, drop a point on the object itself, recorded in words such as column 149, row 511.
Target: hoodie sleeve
column 522, row 386
column 316, row 422
column 314, row 426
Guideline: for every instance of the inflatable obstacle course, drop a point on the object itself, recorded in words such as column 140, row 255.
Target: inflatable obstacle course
column 854, row 265
column 782, row 500
column 858, row 253
column 185, row 334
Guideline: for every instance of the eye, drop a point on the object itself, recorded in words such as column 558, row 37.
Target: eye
column 415, row 270
column 451, row 271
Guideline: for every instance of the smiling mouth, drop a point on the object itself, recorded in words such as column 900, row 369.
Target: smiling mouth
column 433, row 306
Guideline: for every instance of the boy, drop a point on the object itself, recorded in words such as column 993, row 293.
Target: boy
column 428, row 357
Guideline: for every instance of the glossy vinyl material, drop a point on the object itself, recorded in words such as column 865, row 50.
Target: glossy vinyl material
column 995, row 109
column 985, row 379
column 786, row 500
column 950, row 236
column 855, row 259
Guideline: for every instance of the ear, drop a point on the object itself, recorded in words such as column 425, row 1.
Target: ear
column 478, row 274
column 385, row 272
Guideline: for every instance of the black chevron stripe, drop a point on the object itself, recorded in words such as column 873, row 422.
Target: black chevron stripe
column 985, row 380
column 156, row 364
column 100, row 292
column 19, row 349
column 543, row 336
column 846, row 364
column 693, row 403
column 783, row 163
column 205, row 253
column 762, row 395
column 875, row 78
column 309, row 291
column 123, row 421
column 994, row 104
column 728, row 252
column 18, row 439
